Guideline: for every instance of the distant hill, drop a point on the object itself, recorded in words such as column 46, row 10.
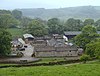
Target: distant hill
column 81, row 12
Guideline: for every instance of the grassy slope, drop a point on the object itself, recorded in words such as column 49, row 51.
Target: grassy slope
column 60, row 70
column 15, row 32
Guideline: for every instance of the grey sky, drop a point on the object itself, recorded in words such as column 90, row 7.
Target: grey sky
column 13, row 4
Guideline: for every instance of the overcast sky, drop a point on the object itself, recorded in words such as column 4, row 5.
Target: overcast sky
column 14, row 4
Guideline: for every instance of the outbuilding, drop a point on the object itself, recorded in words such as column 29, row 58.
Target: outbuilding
column 28, row 38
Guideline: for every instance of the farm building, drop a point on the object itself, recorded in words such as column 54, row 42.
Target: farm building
column 55, row 47
column 72, row 34
column 28, row 38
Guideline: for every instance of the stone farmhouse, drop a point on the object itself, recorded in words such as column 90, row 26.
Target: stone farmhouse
column 55, row 47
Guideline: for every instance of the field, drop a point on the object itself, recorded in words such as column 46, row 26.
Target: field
column 15, row 32
column 89, row 69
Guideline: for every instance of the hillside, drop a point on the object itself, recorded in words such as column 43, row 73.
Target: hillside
column 81, row 12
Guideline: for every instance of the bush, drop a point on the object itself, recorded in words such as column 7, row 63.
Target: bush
column 84, row 58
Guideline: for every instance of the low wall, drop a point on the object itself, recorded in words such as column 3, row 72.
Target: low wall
column 50, row 51
column 55, row 54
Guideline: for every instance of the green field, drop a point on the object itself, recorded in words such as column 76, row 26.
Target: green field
column 15, row 32
column 89, row 69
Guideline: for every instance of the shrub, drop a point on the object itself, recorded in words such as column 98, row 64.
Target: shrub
column 84, row 58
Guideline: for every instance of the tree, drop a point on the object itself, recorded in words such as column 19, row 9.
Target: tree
column 81, row 40
column 5, row 40
column 90, row 50
column 73, row 25
column 78, row 25
column 93, row 48
column 17, row 14
column 36, row 28
column 7, row 20
column 5, row 12
column 88, row 34
column 97, row 24
column 88, row 22
column 25, row 22
column 89, row 30
column 54, row 26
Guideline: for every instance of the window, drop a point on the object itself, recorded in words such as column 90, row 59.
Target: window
column 69, row 50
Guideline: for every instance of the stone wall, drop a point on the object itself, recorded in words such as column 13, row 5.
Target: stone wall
column 50, row 51
column 55, row 54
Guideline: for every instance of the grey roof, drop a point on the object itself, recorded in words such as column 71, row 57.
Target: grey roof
column 75, row 32
column 72, row 32
column 98, row 32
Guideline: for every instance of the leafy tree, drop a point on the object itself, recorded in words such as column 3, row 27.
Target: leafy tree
column 54, row 26
column 90, row 50
column 36, row 28
column 5, row 12
column 97, row 24
column 60, row 29
column 42, row 21
column 5, row 39
column 88, row 22
column 7, row 20
column 89, row 30
column 93, row 48
column 17, row 14
column 78, row 25
column 88, row 34
column 25, row 22
column 81, row 40
column 73, row 25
